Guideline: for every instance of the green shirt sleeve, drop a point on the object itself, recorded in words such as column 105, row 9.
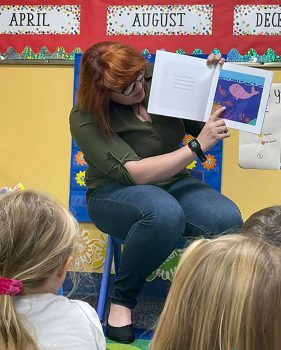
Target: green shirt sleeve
column 106, row 156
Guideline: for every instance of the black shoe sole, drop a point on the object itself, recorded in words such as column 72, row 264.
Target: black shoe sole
column 124, row 335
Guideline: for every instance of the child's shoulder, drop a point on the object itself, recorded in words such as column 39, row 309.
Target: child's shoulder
column 51, row 313
column 73, row 310
column 56, row 306
column 82, row 311
column 84, row 307
column 77, row 306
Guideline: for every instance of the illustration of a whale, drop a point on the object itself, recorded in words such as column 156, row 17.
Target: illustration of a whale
column 239, row 92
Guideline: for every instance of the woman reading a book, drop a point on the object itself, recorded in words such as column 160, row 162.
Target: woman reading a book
column 138, row 186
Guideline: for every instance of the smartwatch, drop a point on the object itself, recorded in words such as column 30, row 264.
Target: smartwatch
column 195, row 146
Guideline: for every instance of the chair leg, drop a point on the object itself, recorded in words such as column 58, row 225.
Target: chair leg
column 60, row 290
column 105, row 279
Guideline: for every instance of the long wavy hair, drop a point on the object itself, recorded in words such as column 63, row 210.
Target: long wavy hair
column 37, row 236
column 106, row 66
column 226, row 295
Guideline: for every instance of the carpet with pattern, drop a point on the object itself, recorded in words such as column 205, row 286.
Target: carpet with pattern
column 138, row 344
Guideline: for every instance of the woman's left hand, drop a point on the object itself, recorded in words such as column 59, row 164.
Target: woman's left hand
column 215, row 59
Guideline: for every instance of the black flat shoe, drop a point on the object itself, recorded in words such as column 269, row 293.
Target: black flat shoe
column 123, row 334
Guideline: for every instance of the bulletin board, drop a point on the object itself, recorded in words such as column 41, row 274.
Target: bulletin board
column 244, row 30
column 44, row 99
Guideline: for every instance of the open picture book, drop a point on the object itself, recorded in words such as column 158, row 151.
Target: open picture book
column 186, row 87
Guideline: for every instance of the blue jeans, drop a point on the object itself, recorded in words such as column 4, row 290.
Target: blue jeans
column 152, row 220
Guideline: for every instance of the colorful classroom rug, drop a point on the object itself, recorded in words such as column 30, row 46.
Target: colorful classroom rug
column 143, row 339
column 138, row 344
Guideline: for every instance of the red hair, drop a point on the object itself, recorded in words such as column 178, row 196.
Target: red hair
column 106, row 66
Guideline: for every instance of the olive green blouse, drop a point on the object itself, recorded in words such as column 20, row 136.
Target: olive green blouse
column 132, row 139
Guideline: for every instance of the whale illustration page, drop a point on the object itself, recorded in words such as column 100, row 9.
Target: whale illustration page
column 186, row 87
column 244, row 92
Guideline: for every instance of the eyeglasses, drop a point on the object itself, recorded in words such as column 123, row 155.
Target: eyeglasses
column 131, row 87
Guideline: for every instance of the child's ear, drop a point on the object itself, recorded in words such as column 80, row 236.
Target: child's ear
column 68, row 262
column 62, row 270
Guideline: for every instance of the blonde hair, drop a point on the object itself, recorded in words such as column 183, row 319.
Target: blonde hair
column 37, row 235
column 225, row 296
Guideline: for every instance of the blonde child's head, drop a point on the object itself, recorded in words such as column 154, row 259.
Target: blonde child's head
column 226, row 295
column 37, row 239
column 265, row 224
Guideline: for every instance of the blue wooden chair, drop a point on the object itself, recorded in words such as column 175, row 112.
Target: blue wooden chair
column 60, row 291
column 113, row 251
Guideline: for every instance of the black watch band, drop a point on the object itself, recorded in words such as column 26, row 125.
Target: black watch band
column 195, row 146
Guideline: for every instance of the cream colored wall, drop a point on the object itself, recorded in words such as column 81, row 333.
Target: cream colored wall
column 35, row 140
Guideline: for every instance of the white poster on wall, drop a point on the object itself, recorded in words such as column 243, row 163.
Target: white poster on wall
column 40, row 19
column 160, row 20
column 263, row 151
column 257, row 19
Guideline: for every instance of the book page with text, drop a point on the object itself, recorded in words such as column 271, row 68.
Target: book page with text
column 180, row 86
